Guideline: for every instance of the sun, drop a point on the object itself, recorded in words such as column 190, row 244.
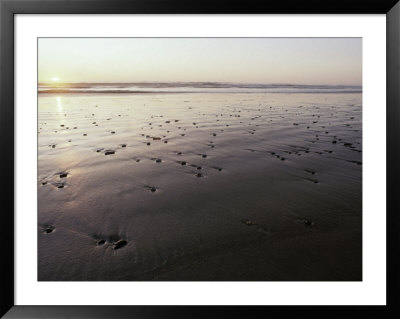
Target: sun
column 55, row 79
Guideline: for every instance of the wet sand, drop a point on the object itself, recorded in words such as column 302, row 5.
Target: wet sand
column 190, row 187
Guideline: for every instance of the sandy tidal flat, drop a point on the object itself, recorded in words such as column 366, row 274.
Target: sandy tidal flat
column 199, row 187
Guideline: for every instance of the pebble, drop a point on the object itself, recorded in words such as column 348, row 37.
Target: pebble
column 248, row 222
column 119, row 244
column 48, row 230
column 308, row 222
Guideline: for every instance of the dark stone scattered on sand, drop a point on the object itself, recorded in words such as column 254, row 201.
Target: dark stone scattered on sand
column 84, row 134
column 183, row 163
column 62, row 175
column 109, row 152
column 348, row 144
column 334, row 142
column 199, row 175
column 248, row 222
column 153, row 189
column 203, row 155
column 44, row 183
column 214, row 134
column 148, row 143
column 165, row 142
column 112, row 132
column 199, row 167
column 53, row 146
column 308, row 222
column 48, row 230
column 119, row 244
column 179, row 153
column 60, row 186
column 156, row 138
column 158, row 160
column 101, row 242
column 123, row 145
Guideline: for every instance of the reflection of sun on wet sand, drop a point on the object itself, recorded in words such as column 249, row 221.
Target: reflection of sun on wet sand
column 199, row 186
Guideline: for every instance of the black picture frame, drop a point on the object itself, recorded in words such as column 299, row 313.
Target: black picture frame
column 8, row 8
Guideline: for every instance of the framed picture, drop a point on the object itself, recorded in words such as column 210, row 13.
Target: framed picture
column 168, row 159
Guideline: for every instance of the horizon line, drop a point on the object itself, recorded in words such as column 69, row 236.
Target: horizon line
column 210, row 82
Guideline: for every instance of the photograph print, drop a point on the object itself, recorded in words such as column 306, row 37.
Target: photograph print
column 199, row 159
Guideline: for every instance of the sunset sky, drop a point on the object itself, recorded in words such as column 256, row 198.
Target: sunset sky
column 335, row 61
